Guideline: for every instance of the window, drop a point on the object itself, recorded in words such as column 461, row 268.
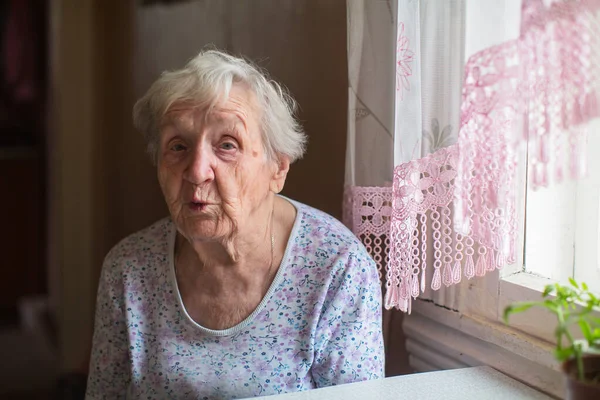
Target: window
column 561, row 230
column 562, row 233
column 587, row 217
column 561, row 240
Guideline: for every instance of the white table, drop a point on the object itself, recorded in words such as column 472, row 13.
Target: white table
column 477, row 383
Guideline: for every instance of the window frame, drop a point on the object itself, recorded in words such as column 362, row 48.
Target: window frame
column 517, row 282
column 474, row 309
column 587, row 217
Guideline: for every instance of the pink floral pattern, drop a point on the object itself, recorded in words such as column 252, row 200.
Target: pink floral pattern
column 404, row 59
column 318, row 325
column 423, row 196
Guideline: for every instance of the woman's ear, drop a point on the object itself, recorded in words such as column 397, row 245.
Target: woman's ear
column 282, row 164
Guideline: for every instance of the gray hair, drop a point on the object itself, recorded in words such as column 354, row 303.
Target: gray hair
column 206, row 80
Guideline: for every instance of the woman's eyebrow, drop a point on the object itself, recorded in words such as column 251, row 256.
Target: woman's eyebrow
column 228, row 117
column 173, row 120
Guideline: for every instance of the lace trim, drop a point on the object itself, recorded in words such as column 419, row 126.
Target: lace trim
column 423, row 197
column 534, row 93
column 460, row 202
column 367, row 212
column 416, row 214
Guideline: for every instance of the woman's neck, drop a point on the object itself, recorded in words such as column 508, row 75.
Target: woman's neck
column 218, row 292
column 244, row 256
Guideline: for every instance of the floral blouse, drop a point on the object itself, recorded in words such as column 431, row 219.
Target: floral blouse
column 318, row 325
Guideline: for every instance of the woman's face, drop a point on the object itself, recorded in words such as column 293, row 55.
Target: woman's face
column 213, row 169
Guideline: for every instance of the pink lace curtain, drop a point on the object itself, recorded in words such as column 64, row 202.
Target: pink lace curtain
column 446, row 99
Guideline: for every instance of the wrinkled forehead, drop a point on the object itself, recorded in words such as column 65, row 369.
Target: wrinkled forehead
column 239, row 105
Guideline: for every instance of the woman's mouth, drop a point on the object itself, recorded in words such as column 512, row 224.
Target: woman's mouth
column 197, row 206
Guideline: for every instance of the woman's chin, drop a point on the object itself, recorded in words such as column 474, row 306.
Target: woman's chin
column 202, row 230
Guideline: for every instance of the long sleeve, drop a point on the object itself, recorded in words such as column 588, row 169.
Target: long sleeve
column 349, row 339
column 109, row 365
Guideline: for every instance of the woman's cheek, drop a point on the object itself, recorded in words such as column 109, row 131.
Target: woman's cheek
column 168, row 182
column 171, row 158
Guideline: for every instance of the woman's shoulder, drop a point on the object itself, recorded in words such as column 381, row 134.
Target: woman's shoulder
column 141, row 249
column 326, row 232
column 325, row 248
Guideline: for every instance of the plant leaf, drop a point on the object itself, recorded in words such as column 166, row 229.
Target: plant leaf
column 564, row 353
column 547, row 290
column 517, row 308
column 552, row 305
column 586, row 330
column 573, row 283
column 593, row 298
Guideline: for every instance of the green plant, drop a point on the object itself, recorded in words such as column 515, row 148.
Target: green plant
column 573, row 305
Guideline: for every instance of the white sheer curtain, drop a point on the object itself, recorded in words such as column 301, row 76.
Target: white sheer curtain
column 370, row 146
column 443, row 97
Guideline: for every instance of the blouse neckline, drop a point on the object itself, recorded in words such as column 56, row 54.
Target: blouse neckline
column 285, row 261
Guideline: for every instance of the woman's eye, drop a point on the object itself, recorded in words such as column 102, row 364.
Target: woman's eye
column 227, row 146
column 178, row 147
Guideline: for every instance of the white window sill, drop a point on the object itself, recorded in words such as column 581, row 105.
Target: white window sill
column 438, row 338
column 462, row 326
column 535, row 322
column 532, row 283
column 522, row 286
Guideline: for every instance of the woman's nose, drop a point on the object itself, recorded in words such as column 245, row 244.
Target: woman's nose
column 200, row 169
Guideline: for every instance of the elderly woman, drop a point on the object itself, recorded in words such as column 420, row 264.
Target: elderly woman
column 240, row 292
